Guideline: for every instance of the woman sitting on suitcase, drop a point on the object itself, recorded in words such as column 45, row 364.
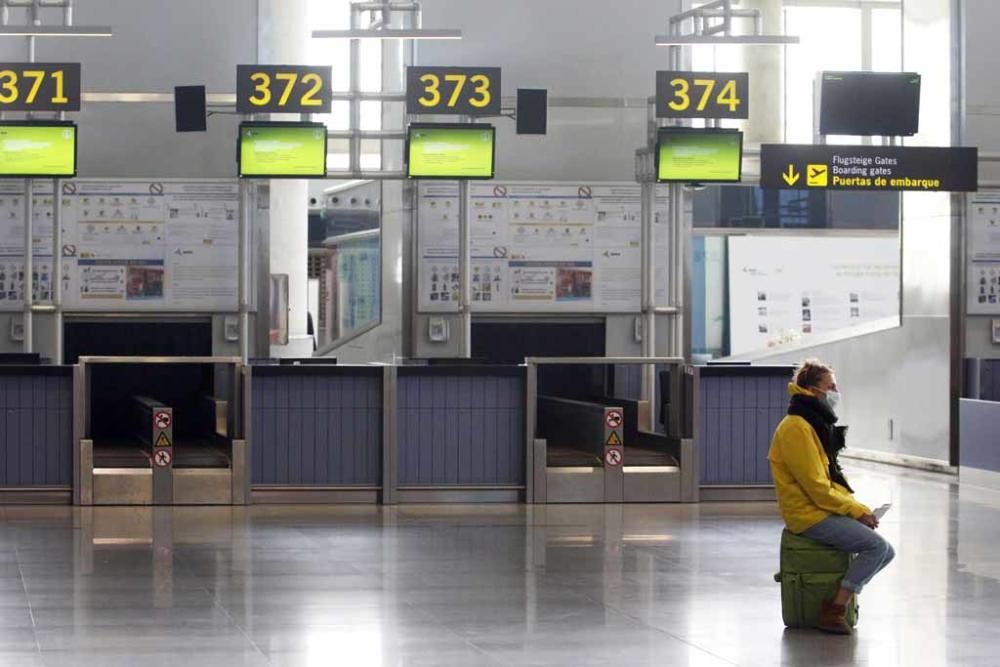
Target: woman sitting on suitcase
column 814, row 497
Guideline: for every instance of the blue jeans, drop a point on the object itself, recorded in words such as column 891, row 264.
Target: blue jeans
column 852, row 536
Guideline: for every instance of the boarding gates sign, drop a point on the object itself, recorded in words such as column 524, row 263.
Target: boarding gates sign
column 878, row 168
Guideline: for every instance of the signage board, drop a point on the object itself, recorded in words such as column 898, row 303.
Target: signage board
column 876, row 168
column 37, row 149
column 39, row 86
column 284, row 89
column 702, row 94
column 464, row 91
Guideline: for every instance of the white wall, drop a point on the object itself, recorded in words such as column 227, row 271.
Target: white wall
column 980, row 19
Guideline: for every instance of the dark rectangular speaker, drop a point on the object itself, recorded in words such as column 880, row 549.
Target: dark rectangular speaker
column 532, row 110
column 189, row 108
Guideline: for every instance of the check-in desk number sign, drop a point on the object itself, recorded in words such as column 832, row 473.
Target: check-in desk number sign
column 39, row 86
column 702, row 94
column 283, row 89
column 463, row 91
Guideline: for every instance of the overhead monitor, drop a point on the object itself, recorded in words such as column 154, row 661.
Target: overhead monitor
column 869, row 103
column 450, row 151
column 37, row 149
column 282, row 150
column 696, row 155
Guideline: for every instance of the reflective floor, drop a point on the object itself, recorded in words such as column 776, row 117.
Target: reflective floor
column 484, row 585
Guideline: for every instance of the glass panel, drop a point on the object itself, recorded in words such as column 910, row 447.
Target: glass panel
column 887, row 38
column 350, row 284
column 744, row 206
column 830, row 40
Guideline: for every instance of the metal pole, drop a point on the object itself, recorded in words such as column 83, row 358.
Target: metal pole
column 29, row 212
column 29, row 266
column 465, row 279
column 57, row 270
column 244, row 302
column 354, row 123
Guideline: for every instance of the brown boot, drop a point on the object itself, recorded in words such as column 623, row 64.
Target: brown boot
column 831, row 619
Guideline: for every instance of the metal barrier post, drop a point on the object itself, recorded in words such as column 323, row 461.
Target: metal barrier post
column 614, row 455
column 531, row 494
column 390, row 436
column 162, row 458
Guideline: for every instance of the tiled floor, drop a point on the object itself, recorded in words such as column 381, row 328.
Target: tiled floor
column 483, row 585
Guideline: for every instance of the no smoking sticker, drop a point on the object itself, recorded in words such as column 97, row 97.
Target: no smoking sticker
column 613, row 418
column 162, row 458
column 162, row 420
column 613, row 457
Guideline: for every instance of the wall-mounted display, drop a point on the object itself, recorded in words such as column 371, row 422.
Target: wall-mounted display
column 450, row 151
column 37, row 149
column 282, row 150
column 869, row 103
column 688, row 155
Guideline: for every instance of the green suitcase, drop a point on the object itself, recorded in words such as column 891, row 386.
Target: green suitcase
column 810, row 573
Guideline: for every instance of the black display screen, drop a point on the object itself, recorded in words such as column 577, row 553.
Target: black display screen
column 869, row 103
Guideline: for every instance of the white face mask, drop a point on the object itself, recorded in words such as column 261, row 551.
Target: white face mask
column 832, row 399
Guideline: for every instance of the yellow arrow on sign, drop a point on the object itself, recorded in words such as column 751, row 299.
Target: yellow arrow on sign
column 791, row 176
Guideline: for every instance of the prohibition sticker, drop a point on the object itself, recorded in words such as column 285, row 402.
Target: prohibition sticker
column 162, row 420
column 613, row 457
column 613, row 418
column 162, row 458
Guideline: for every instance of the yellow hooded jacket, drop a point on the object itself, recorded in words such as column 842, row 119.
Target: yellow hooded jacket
column 801, row 472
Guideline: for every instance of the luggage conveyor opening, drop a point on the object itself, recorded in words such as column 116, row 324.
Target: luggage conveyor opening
column 605, row 448
column 160, row 430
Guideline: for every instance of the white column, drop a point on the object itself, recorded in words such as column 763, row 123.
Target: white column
column 283, row 39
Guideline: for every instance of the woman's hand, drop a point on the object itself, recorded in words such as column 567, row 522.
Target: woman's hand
column 869, row 520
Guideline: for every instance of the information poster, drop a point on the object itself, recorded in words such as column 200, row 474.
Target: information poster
column 537, row 247
column 126, row 245
column 984, row 254
column 786, row 289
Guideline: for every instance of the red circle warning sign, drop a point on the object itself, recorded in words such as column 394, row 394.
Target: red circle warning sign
column 162, row 458
column 613, row 457
column 613, row 418
column 161, row 420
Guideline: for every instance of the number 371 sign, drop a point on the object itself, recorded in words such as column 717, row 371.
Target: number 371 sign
column 702, row 94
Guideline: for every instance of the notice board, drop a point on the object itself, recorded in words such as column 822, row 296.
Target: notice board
column 784, row 289
column 538, row 247
column 127, row 245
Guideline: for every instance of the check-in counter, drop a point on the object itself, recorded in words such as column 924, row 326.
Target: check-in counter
column 979, row 456
column 737, row 409
column 316, row 433
column 460, row 433
column 36, row 433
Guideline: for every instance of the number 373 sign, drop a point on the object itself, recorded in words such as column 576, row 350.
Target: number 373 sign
column 702, row 94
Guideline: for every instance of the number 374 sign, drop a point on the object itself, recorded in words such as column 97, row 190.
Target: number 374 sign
column 702, row 94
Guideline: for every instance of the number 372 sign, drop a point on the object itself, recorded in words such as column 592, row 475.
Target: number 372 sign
column 702, row 94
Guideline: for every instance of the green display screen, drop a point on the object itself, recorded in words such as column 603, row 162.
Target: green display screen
column 699, row 156
column 37, row 149
column 450, row 151
column 283, row 150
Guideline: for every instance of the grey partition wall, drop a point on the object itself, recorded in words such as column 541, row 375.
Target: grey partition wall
column 36, row 432
column 316, row 428
column 738, row 410
column 979, row 424
column 460, row 432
